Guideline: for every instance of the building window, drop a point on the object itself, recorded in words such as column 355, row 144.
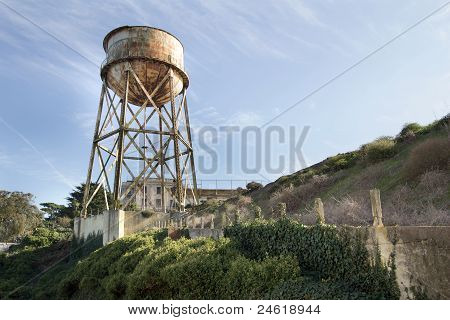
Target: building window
column 158, row 203
column 158, row 190
column 171, row 203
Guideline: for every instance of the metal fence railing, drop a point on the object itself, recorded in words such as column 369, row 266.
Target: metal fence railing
column 224, row 184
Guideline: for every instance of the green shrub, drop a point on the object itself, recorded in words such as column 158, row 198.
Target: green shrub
column 46, row 286
column 150, row 280
column 42, row 237
column 261, row 259
column 83, row 247
column 380, row 149
column 120, row 256
column 409, row 132
column 147, row 213
column 199, row 275
column 431, row 154
column 437, row 125
column 312, row 289
column 250, row 279
column 223, row 273
column 341, row 161
column 183, row 269
column 36, row 252
column 326, row 252
column 413, row 127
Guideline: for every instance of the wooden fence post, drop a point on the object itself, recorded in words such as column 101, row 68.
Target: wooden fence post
column 320, row 213
column 377, row 213
column 280, row 210
column 223, row 220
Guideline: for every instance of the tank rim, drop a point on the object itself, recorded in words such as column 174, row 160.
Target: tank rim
column 109, row 34
column 104, row 68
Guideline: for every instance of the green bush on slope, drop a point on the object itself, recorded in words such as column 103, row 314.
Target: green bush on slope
column 258, row 260
column 35, row 253
column 323, row 252
column 93, row 277
column 183, row 269
column 262, row 259
column 380, row 149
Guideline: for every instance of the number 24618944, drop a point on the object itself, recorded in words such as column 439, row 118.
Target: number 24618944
column 288, row 309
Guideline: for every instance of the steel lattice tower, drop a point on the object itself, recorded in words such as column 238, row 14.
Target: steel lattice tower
column 143, row 99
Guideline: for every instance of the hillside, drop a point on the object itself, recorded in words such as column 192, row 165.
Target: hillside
column 411, row 170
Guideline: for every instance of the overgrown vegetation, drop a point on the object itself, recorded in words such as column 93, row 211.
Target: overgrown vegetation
column 380, row 149
column 330, row 257
column 144, row 266
column 258, row 260
column 431, row 154
column 36, row 252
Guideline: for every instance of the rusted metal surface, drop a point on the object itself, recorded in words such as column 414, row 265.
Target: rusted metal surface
column 150, row 52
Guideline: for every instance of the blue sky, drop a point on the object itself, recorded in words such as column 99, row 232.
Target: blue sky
column 247, row 62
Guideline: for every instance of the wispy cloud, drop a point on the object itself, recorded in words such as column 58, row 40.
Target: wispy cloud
column 5, row 159
column 60, row 176
column 244, row 119
column 212, row 25
column 299, row 8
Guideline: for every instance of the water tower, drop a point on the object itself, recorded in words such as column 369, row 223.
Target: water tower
column 142, row 130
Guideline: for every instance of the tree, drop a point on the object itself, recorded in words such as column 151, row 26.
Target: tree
column 252, row 186
column 75, row 201
column 52, row 210
column 18, row 214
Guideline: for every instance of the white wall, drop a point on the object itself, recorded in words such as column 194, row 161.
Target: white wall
column 109, row 223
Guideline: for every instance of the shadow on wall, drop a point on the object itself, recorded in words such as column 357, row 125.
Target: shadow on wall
column 80, row 248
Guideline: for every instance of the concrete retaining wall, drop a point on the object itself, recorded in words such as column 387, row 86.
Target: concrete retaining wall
column 83, row 227
column 114, row 224
column 422, row 257
column 109, row 223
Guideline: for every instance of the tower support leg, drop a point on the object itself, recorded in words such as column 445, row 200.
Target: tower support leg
column 119, row 159
column 176, row 147
column 87, row 186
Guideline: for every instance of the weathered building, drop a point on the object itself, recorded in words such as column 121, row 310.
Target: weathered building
column 150, row 195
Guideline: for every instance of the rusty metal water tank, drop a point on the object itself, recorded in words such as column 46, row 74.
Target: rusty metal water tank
column 151, row 52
